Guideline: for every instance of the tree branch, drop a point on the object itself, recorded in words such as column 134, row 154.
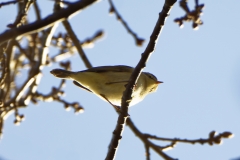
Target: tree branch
column 127, row 95
column 46, row 22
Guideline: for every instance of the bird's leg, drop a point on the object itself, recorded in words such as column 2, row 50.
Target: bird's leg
column 117, row 108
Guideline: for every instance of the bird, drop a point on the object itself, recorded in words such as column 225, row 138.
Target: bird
column 109, row 82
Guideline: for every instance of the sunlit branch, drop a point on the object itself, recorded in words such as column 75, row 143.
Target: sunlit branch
column 68, row 49
column 22, row 14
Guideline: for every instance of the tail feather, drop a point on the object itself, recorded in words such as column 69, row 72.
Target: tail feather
column 60, row 73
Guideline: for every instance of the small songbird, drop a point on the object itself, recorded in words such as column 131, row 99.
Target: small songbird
column 109, row 82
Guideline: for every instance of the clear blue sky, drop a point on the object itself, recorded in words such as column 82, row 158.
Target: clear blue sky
column 200, row 93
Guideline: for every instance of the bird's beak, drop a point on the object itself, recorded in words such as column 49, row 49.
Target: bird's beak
column 159, row 82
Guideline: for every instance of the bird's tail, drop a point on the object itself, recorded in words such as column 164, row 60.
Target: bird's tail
column 60, row 73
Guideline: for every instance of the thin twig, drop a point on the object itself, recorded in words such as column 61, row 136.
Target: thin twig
column 145, row 140
column 10, row 2
column 77, row 43
column 1, row 127
column 3, row 66
column 8, row 80
column 213, row 138
column 193, row 15
column 64, row 54
column 138, row 41
column 74, row 38
column 37, row 10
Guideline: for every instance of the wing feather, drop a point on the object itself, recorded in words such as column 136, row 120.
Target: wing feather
column 79, row 85
column 119, row 68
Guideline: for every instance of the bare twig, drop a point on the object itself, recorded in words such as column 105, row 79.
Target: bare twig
column 145, row 140
column 89, row 41
column 74, row 38
column 10, row 2
column 67, row 49
column 193, row 16
column 9, row 79
column 77, row 44
column 212, row 139
column 54, row 95
column 1, row 127
column 37, row 10
column 138, row 41
column 3, row 68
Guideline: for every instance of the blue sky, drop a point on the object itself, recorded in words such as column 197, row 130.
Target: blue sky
column 200, row 70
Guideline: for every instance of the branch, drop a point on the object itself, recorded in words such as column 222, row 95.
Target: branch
column 157, row 149
column 31, row 83
column 127, row 95
column 54, row 95
column 3, row 68
column 77, row 43
column 1, row 127
column 37, row 10
column 74, row 38
column 46, row 22
column 64, row 43
column 147, row 152
column 138, row 41
column 212, row 139
column 193, row 16
column 7, row 3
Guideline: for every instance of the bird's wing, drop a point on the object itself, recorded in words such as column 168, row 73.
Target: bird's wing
column 108, row 83
column 119, row 68
column 79, row 85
